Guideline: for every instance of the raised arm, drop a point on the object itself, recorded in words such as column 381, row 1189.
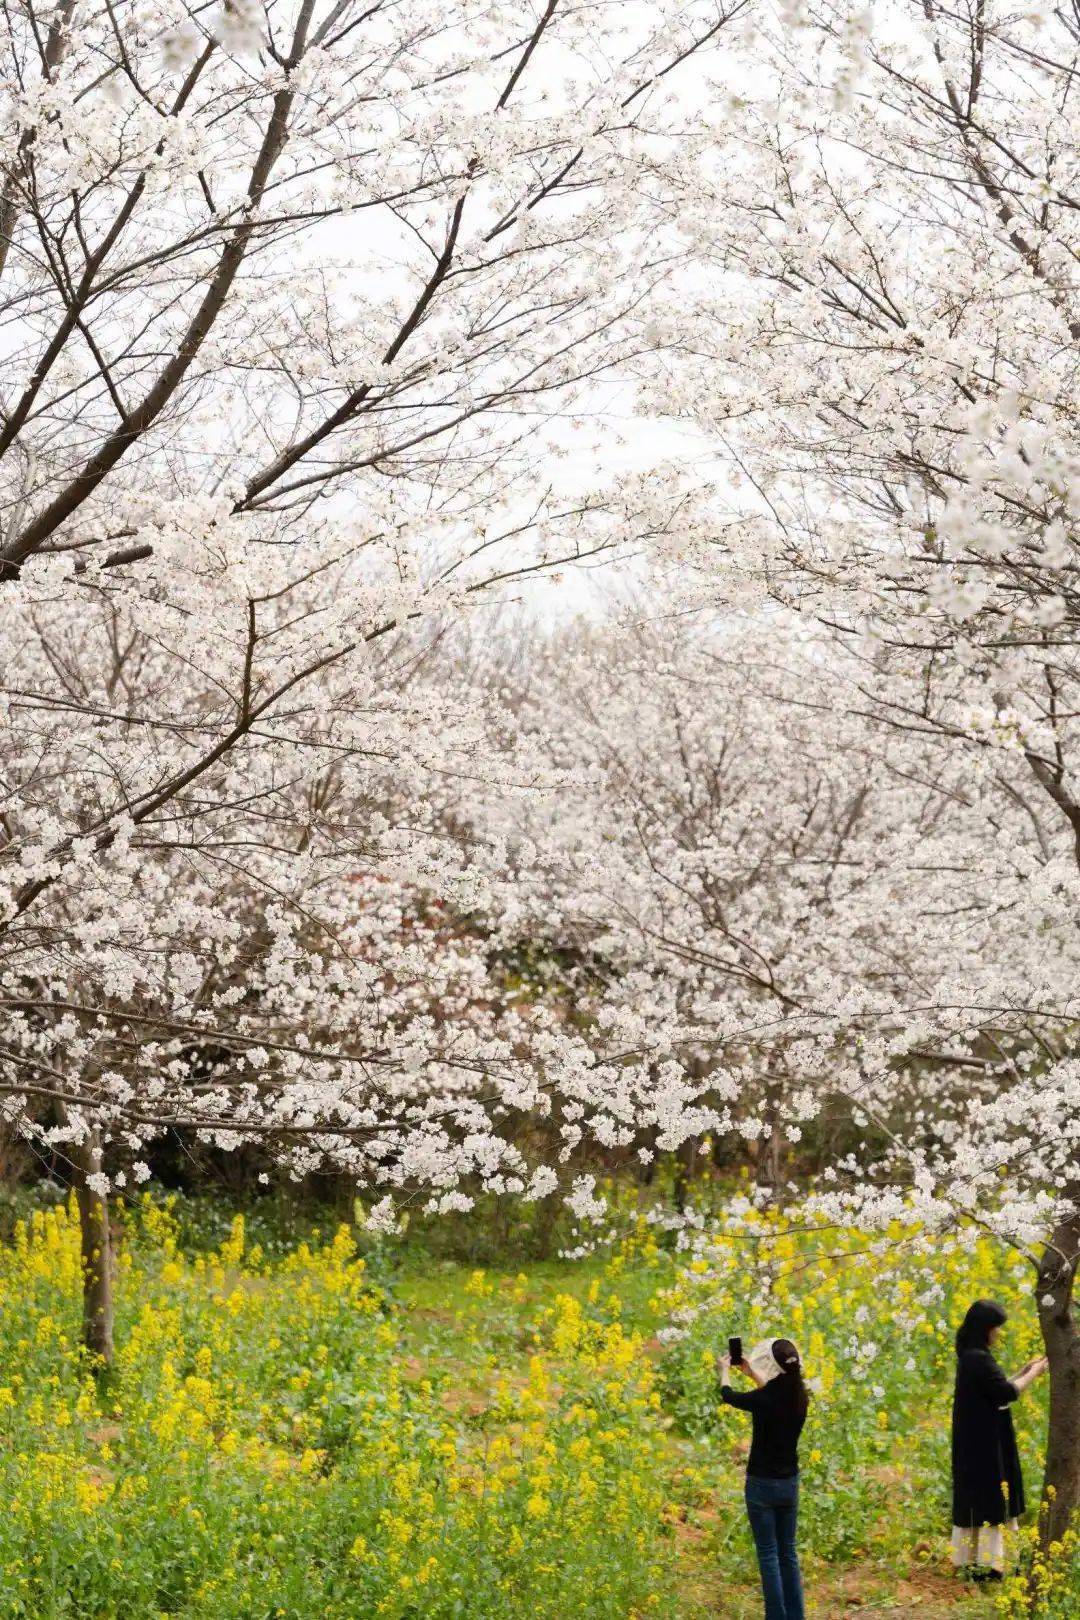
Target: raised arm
column 1027, row 1375
column 743, row 1400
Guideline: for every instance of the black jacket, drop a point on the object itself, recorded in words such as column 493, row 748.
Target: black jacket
column 988, row 1487
column 774, row 1449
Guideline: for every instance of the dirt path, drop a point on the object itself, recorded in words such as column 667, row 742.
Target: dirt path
column 856, row 1595
column 931, row 1595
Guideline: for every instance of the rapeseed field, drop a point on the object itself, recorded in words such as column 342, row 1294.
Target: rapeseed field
column 338, row 1431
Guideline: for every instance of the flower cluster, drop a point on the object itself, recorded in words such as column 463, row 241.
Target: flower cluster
column 265, row 1444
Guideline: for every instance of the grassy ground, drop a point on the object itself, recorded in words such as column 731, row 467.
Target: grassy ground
column 330, row 1430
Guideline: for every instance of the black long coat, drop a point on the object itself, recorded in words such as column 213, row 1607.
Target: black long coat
column 988, row 1487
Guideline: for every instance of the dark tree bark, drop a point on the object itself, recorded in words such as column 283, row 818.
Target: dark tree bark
column 686, row 1157
column 770, row 1154
column 1061, row 1336
column 97, row 1267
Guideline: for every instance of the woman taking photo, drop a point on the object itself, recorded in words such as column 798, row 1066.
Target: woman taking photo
column 777, row 1407
column 988, row 1487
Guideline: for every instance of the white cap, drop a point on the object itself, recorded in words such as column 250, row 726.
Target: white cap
column 763, row 1362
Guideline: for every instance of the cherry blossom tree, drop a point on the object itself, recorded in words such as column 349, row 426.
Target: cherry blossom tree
column 816, row 918
column 700, row 862
column 886, row 360
column 294, row 303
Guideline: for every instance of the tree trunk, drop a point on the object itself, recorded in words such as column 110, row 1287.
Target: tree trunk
column 1061, row 1336
column 685, row 1170
column 97, row 1269
column 647, row 1170
column 770, row 1151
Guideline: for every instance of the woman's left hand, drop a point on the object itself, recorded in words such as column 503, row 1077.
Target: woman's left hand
column 723, row 1365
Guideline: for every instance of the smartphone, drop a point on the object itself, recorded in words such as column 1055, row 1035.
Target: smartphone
column 734, row 1347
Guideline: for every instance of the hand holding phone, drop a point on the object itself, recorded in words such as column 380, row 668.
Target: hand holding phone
column 735, row 1351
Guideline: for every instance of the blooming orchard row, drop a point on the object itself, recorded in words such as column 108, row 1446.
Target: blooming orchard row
column 301, row 313
column 295, row 307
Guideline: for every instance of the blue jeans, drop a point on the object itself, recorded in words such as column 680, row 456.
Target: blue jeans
column 772, row 1506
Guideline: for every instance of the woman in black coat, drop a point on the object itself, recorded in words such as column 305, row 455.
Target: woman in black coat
column 988, row 1487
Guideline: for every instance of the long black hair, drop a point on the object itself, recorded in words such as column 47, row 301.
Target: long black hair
column 974, row 1330
column 791, row 1380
